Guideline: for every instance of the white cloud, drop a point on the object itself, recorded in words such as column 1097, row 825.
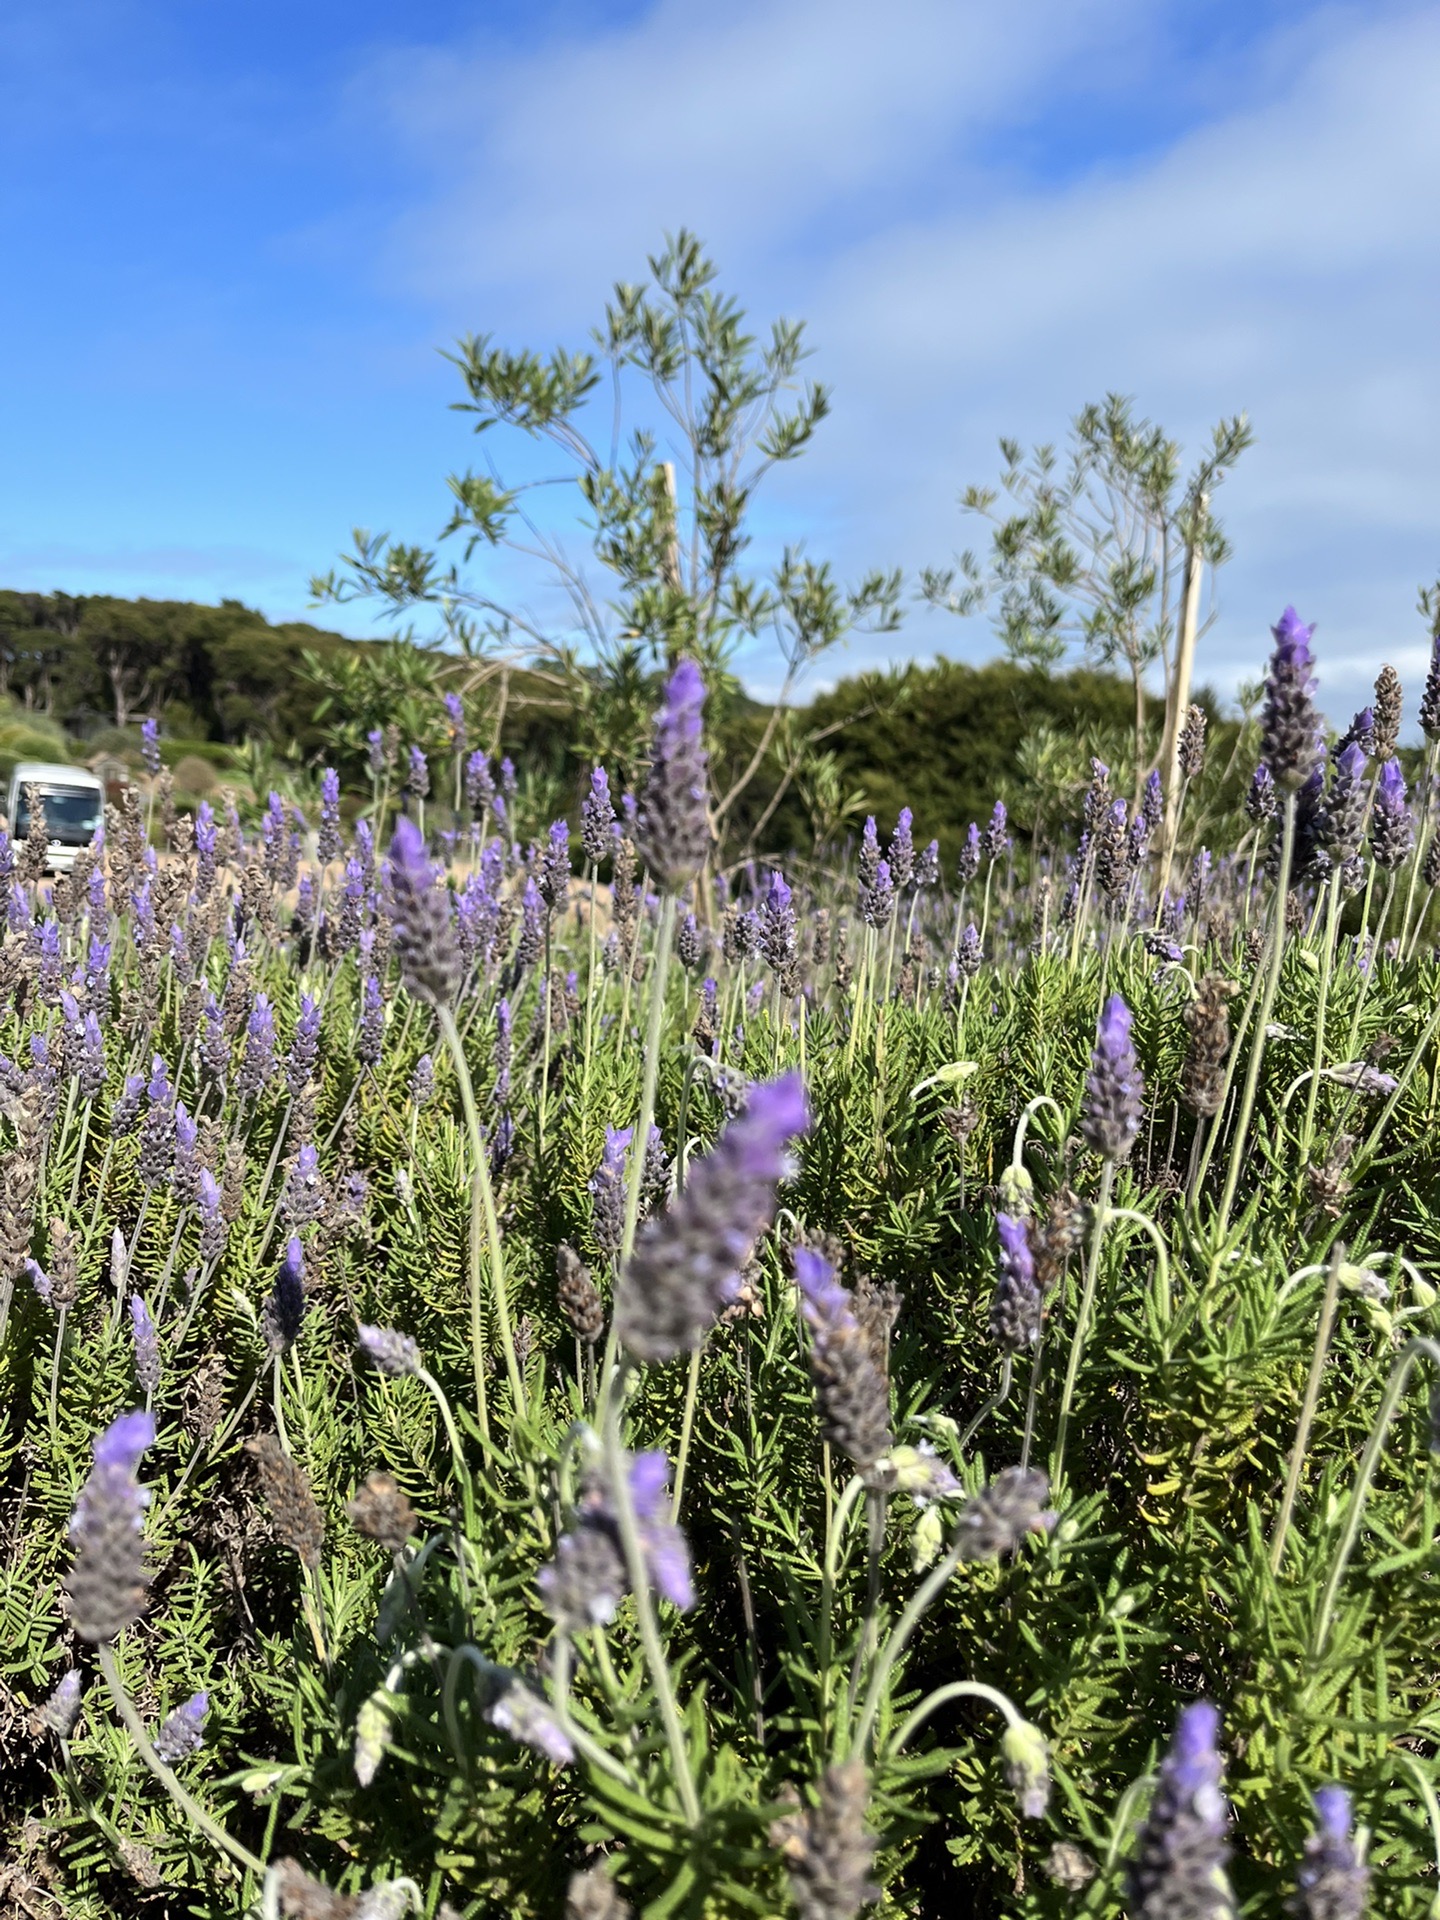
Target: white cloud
column 1278, row 254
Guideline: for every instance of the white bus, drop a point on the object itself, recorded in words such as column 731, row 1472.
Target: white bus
column 74, row 807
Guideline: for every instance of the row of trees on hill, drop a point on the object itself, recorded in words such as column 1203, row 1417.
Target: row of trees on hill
column 212, row 673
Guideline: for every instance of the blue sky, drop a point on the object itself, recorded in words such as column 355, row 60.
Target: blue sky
column 235, row 238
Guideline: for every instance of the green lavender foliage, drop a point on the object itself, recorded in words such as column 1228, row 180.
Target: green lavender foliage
column 1156, row 1584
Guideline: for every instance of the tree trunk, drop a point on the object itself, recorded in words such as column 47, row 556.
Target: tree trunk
column 1177, row 702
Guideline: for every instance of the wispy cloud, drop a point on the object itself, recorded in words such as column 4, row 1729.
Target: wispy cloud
column 897, row 177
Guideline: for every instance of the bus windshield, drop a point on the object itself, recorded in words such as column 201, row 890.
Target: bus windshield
column 71, row 814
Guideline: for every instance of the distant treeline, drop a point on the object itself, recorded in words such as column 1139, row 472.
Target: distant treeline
column 944, row 739
column 222, row 673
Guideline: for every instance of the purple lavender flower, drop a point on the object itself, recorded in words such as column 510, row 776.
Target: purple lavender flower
column 554, row 872
column 212, row 1219
column 927, row 867
column 285, row 1308
column 157, row 1133
column 969, row 956
column 183, row 1732
column 147, row 1345
column 479, row 783
column 672, row 827
column 150, row 746
column 667, row 1557
column 1430, row 696
column 607, row 1191
column 206, row 839
column 39, row 1280
column 375, row 756
column 877, row 903
column 867, row 864
column 1110, row 1117
column 272, row 834
column 1152, row 805
column 688, row 942
column 509, row 784
column 850, row 1385
column 304, row 1048
column 520, row 1712
column 89, row 1057
column 369, row 1040
column 417, row 778
column 996, row 837
column 1291, row 727
column 97, row 969
column 187, row 1156
column 1333, row 1881
column 455, row 714
column 257, row 1064
column 531, row 943
column 1015, row 1306
column 901, row 851
column 504, row 1052
column 777, row 931
column 1179, row 1863
column 327, row 839
column 393, row 1353
column 48, row 978
column 597, row 817
column 61, row 1711
column 1260, row 800
column 126, row 1110
column 1392, row 831
column 107, row 1582
column 422, row 1081
column 968, row 865
column 425, row 942
column 1342, row 823
column 303, row 1200
column 686, row 1263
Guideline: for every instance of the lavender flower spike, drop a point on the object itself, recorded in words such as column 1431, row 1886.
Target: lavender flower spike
column 1015, row 1305
column 394, row 1353
column 285, row 1309
column 852, row 1389
column 597, row 817
column 62, row 1709
column 425, row 942
column 1291, row 727
column 1333, row 1880
column 1178, row 1872
column 184, row 1730
column 686, row 1264
column 1110, row 1117
column 147, row 1345
column 1392, row 831
column 667, row 1557
column 672, row 828
column 107, row 1582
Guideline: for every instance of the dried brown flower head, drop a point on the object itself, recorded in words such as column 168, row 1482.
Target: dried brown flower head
column 297, row 1521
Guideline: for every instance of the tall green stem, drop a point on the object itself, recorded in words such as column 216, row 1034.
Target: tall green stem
column 1082, row 1322
column 1307, row 1410
column 619, row 1483
column 1327, row 962
column 1267, row 1004
column 484, row 1194
column 186, row 1802
column 1354, row 1512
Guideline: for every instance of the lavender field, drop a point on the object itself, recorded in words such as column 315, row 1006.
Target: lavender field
column 546, row 1377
